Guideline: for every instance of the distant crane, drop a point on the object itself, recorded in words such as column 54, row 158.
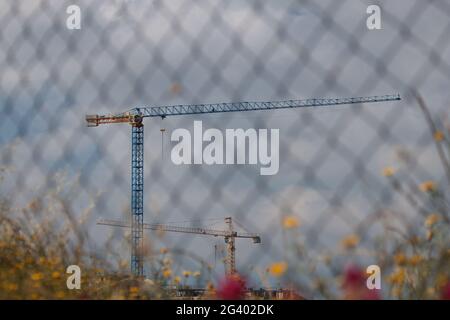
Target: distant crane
column 135, row 117
column 229, row 235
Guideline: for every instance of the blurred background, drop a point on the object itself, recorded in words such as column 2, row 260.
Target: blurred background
column 347, row 176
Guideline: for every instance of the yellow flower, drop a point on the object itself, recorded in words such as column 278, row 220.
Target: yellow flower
column 277, row 269
column 59, row 294
column 415, row 260
column 350, row 241
column 428, row 186
column 431, row 220
column 177, row 279
column 290, row 222
column 186, row 273
column 134, row 290
column 400, row 259
column 438, row 136
column 388, row 172
column 167, row 273
column 56, row 275
column 11, row 287
column 398, row 277
column 34, row 296
column 37, row 276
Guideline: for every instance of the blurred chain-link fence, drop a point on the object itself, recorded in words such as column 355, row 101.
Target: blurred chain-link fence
column 329, row 199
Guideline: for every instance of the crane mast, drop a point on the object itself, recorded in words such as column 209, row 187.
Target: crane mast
column 135, row 117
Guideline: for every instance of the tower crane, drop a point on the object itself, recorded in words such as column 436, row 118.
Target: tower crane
column 135, row 118
column 229, row 236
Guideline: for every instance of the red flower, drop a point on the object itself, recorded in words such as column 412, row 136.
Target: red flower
column 231, row 288
column 355, row 287
column 445, row 295
column 354, row 277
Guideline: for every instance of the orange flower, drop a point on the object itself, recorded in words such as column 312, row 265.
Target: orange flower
column 134, row 290
column 428, row 186
column 400, row 259
column 290, row 222
column 37, row 276
column 438, row 136
column 167, row 273
column 415, row 260
column 277, row 269
column 350, row 241
column 398, row 277
column 388, row 172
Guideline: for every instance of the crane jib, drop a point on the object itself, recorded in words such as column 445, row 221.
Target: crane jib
column 164, row 111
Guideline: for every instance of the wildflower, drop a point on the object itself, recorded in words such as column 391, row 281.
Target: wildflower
column 432, row 219
column 350, row 241
column 37, row 276
column 290, row 222
column 167, row 273
column 231, row 288
column 428, row 186
column 398, row 277
column 400, row 259
column 197, row 274
column 388, row 172
column 134, row 290
column 353, row 276
column 438, row 136
column 177, row 280
column 415, row 260
column 11, row 287
column 56, row 275
column 186, row 273
column 445, row 293
column 277, row 269
column 354, row 285
column 60, row 295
